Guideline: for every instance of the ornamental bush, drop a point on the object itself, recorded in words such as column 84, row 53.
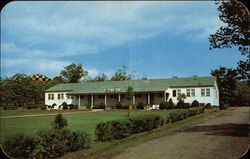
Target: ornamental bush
column 19, row 146
column 79, row 140
column 121, row 128
column 103, row 131
column 163, row 105
column 170, row 104
column 140, row 105
column 59, row 122
column 65, row 106
column 52, row 143
column 195, row 103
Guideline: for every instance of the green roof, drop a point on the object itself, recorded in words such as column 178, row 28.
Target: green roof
column 149, row 85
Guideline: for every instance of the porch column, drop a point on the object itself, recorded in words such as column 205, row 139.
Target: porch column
column 92, row 101
column 148, row 99
column 133, row 99
column 105, row 100
column 119, row 97
column 165, row 97
column 79, row 101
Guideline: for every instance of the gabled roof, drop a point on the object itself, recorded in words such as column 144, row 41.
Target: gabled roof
column 150, row 85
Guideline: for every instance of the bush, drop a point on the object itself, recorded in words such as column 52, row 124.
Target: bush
column 79, row 140
column 53, row 143
column 223, row 106
column 119, row 105
column 19, row 146
column 208, row 106
column 59, row 122
column 121, row 128
column 170, row 104
column 72, row 106
column 43, row 107
column 195, row 103
column 180, row 104
column 163, row 105
column 145, row 123
column 99, row 106
column 140, row 105
column 65, row 106
column 103, row 132
column 186, row 105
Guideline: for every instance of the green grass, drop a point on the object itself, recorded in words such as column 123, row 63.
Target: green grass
column 85, row 121
column 80, row 121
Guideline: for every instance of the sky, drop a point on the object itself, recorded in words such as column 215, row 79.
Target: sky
column 155, row 39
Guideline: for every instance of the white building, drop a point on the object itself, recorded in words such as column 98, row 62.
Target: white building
column 149, row 92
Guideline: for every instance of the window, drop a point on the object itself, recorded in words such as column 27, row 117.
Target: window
column 178, row 92
column 193, row 92
column 123, row 95
column 188, row 92
column 202, row 92
column 62, row 96
column 174, row 93
column 58, row 96
column 49, row 96
column 52, row 96
column 81, row 97
column 68, row 97
column 207, row 92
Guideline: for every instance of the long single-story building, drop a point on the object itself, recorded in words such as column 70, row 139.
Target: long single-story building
column 148, row 91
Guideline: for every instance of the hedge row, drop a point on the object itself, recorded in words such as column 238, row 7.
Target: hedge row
column 118, row 129
column 49, row 144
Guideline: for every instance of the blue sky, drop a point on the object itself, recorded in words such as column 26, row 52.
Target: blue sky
column 155, row 39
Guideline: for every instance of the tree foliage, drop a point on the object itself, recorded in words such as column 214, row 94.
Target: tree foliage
column 122, row 74
column 99, row 78
column 73, row 73
column 226, row 80
column 235, row 32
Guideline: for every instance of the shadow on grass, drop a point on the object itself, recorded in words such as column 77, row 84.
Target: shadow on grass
column 226, row 129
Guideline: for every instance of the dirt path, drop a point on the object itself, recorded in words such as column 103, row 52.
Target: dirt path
column 224, row 136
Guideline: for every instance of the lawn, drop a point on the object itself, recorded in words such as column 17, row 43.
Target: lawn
column 85, row 121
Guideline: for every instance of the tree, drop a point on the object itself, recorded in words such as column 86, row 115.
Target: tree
column 99, row 78
column 73, row 73
column 122, row 74
column 59, row 122
column 236, row 32
column 226, row 80
column 129, row 94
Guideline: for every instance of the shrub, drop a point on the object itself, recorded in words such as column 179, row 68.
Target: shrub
column 65, row 106
column 72, row 106
column 99, row 106
column 170, row 104
column 119, row 105
column 163, row 105
column 180, row 104
column 43, row 107
column 19, row 146
column 103, row 132
column 223, row 106
column 59, row 122
column 121, row 128
column 140, row 105
column 208, row 106
column 202, row 104
column 195, row 103
column 53, row 143
column 186, row 105
column 145, row 123
column 79, row 140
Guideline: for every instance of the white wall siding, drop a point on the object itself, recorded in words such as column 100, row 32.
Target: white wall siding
column 212, row 99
